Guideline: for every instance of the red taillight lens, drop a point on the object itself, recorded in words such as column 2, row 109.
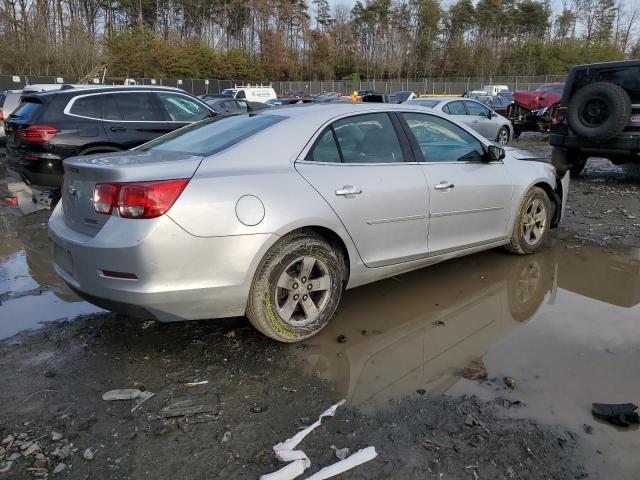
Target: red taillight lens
column 559, row 115
column 1, row 116
column 137, row 200
column 12, row 201
column 37, row 133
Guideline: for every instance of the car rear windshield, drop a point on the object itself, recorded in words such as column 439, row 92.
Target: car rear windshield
column 424, row 103
column 27, row 109
column 212, row 135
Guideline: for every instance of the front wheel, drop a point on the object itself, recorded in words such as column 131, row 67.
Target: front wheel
column 503, row 136
column 296, row 289
column 532, row 223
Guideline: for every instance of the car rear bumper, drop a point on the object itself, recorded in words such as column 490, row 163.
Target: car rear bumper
column 46, row 171
column 622, row 144
column 179, row 276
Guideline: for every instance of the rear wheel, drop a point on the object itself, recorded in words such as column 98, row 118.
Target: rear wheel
column 297, row 288
column 503, row 136
column 532, row 223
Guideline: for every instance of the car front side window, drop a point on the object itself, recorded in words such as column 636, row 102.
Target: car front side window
column 476, row 109
column 443, row 141
column 181, row 108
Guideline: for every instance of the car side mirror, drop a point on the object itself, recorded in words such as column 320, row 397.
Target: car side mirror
column 495, row 153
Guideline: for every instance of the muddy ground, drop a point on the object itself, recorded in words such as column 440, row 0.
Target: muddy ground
column 560, row 326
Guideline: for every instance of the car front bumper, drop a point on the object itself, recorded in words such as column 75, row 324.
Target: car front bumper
column 179, row 276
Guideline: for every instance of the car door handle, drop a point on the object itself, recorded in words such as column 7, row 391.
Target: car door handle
column 476, row 121
column 348, row 190
column 444, row 185
column 118, row 129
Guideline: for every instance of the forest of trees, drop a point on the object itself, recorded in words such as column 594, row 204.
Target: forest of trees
column 296, row 39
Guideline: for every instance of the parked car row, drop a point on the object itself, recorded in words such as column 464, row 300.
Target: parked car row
column 47, row 123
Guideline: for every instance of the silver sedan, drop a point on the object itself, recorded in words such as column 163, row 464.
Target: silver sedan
column 275, row 214
column 472, row 113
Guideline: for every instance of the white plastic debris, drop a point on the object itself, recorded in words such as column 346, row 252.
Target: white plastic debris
column 121, row 394
column 285, row 451
column 358, row 458
column 193, row 384
column 293, row 470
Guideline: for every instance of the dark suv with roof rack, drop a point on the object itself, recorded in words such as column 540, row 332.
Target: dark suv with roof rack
column 598, row 115
column 48, row 127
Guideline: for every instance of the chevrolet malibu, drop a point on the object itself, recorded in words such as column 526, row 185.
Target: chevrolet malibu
column 275, row 214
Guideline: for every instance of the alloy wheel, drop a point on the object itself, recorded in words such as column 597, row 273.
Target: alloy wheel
column 303, row 291
column 503, row 136
column 534, row 222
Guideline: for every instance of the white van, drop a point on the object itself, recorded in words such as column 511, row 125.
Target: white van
column 494, row 90
column 252, row 93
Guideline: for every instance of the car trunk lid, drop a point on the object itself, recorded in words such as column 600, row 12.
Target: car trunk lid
column 82, row 174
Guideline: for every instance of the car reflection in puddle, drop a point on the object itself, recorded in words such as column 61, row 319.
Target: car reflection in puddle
column 564, row 323
column 30, row 291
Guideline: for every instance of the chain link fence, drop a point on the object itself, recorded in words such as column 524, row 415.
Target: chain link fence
column 434, row 86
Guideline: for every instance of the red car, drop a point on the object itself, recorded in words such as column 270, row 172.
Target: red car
column 532, row 111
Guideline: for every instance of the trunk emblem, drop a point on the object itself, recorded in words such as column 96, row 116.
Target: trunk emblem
column 73, row 191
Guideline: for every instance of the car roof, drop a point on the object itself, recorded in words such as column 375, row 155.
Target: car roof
column 109, row 88
column 324, row 112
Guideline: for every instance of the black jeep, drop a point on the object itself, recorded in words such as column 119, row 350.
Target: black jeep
column 598, row 115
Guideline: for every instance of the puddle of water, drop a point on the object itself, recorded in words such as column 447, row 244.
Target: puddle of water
column 30, row 291
column 564, row 323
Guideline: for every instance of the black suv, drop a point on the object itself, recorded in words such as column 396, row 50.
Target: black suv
column 48, row 127
column 598, row 115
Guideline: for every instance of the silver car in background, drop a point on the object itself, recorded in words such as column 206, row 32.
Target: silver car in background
column 274, row 214
column 472, row 113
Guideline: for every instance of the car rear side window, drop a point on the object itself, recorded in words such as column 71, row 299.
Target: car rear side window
column 443, row 141
column 454, row 108
column 131, row 106
column 90, row 107
column 369, row 138
column 325, row 149
column 211, row 136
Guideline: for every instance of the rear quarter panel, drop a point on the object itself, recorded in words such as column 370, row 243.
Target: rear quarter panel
column 263, row 167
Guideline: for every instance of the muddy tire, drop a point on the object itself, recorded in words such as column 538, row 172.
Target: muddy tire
column 532, row 224
column 599, row 111
column 296, row 288
column 503, row 136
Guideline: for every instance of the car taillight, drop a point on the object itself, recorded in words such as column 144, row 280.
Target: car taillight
column 559, row 115
column 137, row 200
column 1, row 116
column 37, row 133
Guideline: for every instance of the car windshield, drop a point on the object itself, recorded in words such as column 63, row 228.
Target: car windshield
column 229, row 91
column 212, row 135
column 423, row 103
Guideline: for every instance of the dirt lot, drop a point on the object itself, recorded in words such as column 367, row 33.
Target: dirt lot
column 538, row 339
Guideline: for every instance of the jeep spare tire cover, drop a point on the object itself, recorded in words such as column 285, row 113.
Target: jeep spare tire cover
column 599, row 111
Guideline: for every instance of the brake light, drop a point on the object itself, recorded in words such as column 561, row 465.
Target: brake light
column 37, row 133
column 11, row 201
column 137, row 200
column 1, row 116
column 559, row 115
